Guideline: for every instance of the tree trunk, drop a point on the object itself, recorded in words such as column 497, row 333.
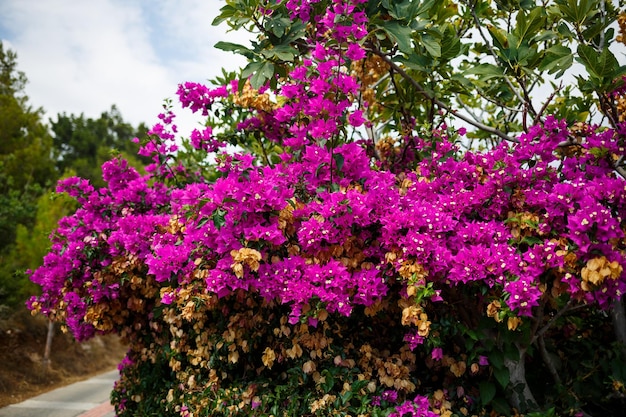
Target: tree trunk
column 619, row 323
column 46, row 353
column 521, row 398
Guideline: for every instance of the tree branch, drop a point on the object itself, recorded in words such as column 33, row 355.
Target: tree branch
column 548, row 360
column 436, row 101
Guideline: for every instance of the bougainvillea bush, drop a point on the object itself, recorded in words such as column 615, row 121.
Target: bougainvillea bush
column 338, row 241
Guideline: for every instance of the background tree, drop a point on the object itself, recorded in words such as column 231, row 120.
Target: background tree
column 26, row 164
column 83, row 144
column 32, row 159
column 30, row 246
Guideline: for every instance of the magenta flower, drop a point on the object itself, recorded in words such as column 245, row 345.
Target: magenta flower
column 437, row 354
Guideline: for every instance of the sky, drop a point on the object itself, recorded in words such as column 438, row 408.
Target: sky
column 82, row 56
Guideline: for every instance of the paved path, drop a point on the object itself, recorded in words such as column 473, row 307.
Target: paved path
column 89, row 398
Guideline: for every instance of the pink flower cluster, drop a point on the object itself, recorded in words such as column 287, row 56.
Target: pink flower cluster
column 453, row 220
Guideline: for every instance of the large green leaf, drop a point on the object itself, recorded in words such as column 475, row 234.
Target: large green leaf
column 602, row 65
column 278, row 26
column 502, row 375
column 261, row 76
column 236, row 48
column 499, row 37
column 281, row 52
column 226, row 13
column 400, row 34
column 557, row 59
column 578, row 11
column 487, row 392
column 529, row 25
column 432, row 45
column 486, row 71
column 251, row 68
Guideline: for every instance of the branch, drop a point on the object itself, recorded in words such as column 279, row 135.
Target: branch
column 546, row 104
column 466, row 108
column 548, row 361
column 438, row 102
column 566, row 309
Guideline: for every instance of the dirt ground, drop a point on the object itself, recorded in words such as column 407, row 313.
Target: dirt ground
column 22, row 345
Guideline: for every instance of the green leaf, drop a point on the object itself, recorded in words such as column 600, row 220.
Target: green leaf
column 496, row 359
column 487, row 392
column 450, row 45
column 502, row 376
column 557, row 58
column 417, row 8
column 261, row 76
column 235, row 48
column 329, row 380
column 296, row 31
column 501, row 406
column 499, row 37
column 486, row 71
column 250, row 69
column 339, row 160
column 529, row 25
column 281, row 52
column 432, row 45
column 578, row 11
column 345, row 397
column 399, row 34
column 602, row 65
column 227, row 12
column 278, row 26
column 416, row 62
column 219, row 218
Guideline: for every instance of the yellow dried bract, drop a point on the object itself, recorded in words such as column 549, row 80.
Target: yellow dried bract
column 493, row 310
column 369, row 71
column 411, row 269
column 513, row 323
column 268, row 358
column 251, row 99
column 245, row 256
column 597, row 270
column 621, row 21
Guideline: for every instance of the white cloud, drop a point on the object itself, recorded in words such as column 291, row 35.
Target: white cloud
column 84, row 56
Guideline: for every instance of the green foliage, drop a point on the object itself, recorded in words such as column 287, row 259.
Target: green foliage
column 31, row 160
column 83, row 144
column 26, row 166
column 30, row 246
column 495, row 65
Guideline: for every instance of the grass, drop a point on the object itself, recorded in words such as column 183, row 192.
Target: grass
column 22, row 344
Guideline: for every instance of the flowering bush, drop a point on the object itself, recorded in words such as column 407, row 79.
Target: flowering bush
column 320, row 271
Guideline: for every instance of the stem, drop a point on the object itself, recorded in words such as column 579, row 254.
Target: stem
column 267, row 160
column 618, row 315
column 568, row 307
column 546, row 104
column 603, row 17
column 548, row 360
column 493, row 54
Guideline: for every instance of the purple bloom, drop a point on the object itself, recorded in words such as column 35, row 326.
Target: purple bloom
column 437, row 354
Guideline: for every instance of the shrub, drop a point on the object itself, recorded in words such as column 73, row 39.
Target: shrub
column 314, row 273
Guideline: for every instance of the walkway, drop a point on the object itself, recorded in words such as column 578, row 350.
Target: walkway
column 89, row 398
